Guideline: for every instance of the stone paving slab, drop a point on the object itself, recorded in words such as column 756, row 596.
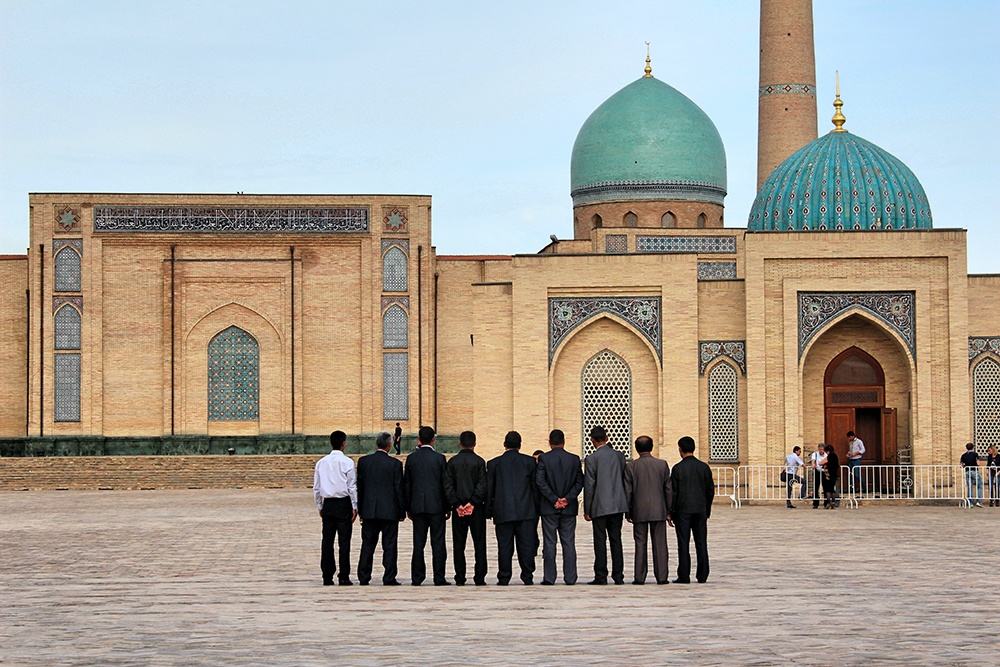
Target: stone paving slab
column 229, row 577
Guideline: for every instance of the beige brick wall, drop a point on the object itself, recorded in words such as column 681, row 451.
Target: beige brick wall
column 984, row 310
column 649, row 214
column 13, row 344
column 492, row 357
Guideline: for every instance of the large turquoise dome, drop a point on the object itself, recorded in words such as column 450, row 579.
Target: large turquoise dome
column 840, row 181
column 648, row 141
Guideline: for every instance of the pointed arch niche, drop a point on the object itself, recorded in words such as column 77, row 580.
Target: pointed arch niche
column 590, row 370
column 856, row 376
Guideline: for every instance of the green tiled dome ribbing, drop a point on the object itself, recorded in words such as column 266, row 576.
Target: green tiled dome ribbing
column 840, row 181
column 648, row 141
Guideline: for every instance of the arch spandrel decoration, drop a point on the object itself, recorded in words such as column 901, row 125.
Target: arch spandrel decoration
column 606, row 400
column 986, row 404
column 710, row 350
column 567, row 314
column 897, row 310
column 233, row 376
column 980, row 345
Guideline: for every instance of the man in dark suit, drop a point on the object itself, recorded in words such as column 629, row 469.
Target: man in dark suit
column 423, row 487
column 465, row 489
column 397, row 438
column 381, row 507
column 650, row 497
column 604, row 504
column 560, row 480
column 514, row 509
column 694, row 490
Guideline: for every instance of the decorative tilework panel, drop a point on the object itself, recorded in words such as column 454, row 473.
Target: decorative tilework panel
column 686, row 244
column 395, row 385
column 566, row 314
column 60, row 301
column 59, row 244
column 394, row 271
column 787, row 89
column 986, row 405
column 394, row 329
column 233, row 377
column 67, row 270
column 67, row 219
column 403, row 301
column 616, row 243
column 659, row 190
column 723, row 414
column 606, row 397
column 716, row 270
column 981, row 345
column 710, row 350
column 67, row 388
column 67, row 328
column 229, row 219
column 896, row 310
column 402, row 244
column 395, row 218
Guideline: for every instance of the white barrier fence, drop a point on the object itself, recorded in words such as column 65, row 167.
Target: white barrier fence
column 861, row 484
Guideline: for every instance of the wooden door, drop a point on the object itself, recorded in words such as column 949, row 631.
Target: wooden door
column 838, row 422
column 889, row 436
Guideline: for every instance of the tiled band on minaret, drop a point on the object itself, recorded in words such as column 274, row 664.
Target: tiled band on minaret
column 787, row 93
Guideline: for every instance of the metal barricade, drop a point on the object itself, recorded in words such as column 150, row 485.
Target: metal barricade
column 727, row 484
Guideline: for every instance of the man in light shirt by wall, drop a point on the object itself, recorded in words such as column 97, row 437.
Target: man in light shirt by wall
column 855, row 450
column 336, row 492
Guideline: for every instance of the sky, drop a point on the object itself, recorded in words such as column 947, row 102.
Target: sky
column 476, row 104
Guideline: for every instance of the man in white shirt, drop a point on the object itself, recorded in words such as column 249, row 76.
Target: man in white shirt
column 793, row 462
column 855, row 449
column 336, row 492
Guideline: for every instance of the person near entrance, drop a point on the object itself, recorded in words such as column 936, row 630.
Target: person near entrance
column 694, row 490
column 513, row 506
column 335, row 490
column 973, row 481
column 381, row 507
column 818, row 462
column 993, row 472
column 465, row 488
column 650, row 498
column 830, row 478
column 855, row 450
column 427, row 507
column 604, row 505
column 793, row 462
column 397, row 438
column 560, row 481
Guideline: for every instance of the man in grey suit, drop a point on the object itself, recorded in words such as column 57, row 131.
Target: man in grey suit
column 560, row 480
column 650, row 498
column 604, row 503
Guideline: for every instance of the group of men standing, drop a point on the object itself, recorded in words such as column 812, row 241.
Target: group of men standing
column 516, row 492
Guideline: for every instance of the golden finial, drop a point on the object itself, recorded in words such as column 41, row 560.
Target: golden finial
column 649, row 68
column 838, row 117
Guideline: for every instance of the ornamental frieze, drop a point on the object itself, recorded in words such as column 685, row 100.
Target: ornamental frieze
column 230, row 219
column 897, row 310
column 567, row 314
column 710, row 350
column 686, row 244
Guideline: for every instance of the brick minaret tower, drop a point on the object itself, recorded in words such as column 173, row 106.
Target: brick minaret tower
column 787, row 97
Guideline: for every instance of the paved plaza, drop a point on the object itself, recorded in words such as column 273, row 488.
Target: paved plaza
column 227, row 577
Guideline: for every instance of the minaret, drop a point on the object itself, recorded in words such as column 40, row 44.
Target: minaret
column 787, row 96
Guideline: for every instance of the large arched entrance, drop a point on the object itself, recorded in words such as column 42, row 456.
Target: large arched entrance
column 854, row 400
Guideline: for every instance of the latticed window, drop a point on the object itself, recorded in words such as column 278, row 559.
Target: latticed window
column 233, row 377
column 395, row 385
column 67, row 327
column 723, row 414
column 606, row 394
column 394, row 334
column 669, row 220
column 67, row 388
column 631, row 219
column 986, row 405
column 394, row 271
column 67, row 269
column 702, row 221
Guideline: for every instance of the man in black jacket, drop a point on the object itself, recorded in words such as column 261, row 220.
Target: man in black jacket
column 423, row 487
column 694, row 490
column 465, row 489
column 560, row 480
column 514, row 509
column 381, row 507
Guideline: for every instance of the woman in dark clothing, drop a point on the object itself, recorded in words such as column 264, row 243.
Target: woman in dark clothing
column 830, row 478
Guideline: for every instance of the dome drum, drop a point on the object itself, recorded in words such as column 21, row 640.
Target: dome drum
column 649, row 190
column 649, row 215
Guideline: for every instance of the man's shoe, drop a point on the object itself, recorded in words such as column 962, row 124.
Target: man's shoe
column 443, row 582
column 979, row 504
column 391, row 582
column 345, row 582
column 701, row 581
column 638, row 583
column 362, row 583
column 619, row 582
column 597, row 582
column 548, row 583
column 664, row 582
column 682, row 581
column 460, row 582
column 480, row 582
column 328, row 582
column 789, row 506
column 502, row 583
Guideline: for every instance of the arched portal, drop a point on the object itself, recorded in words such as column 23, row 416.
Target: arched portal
column 854, row 400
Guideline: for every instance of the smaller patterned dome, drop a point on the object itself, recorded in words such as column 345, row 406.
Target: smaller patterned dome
column 840, row 181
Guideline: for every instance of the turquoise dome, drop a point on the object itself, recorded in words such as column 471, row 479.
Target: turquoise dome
column 648, row 141
column 840, row 181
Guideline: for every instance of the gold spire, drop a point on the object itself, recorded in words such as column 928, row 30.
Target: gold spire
column 838, row 117
column 649, row 68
